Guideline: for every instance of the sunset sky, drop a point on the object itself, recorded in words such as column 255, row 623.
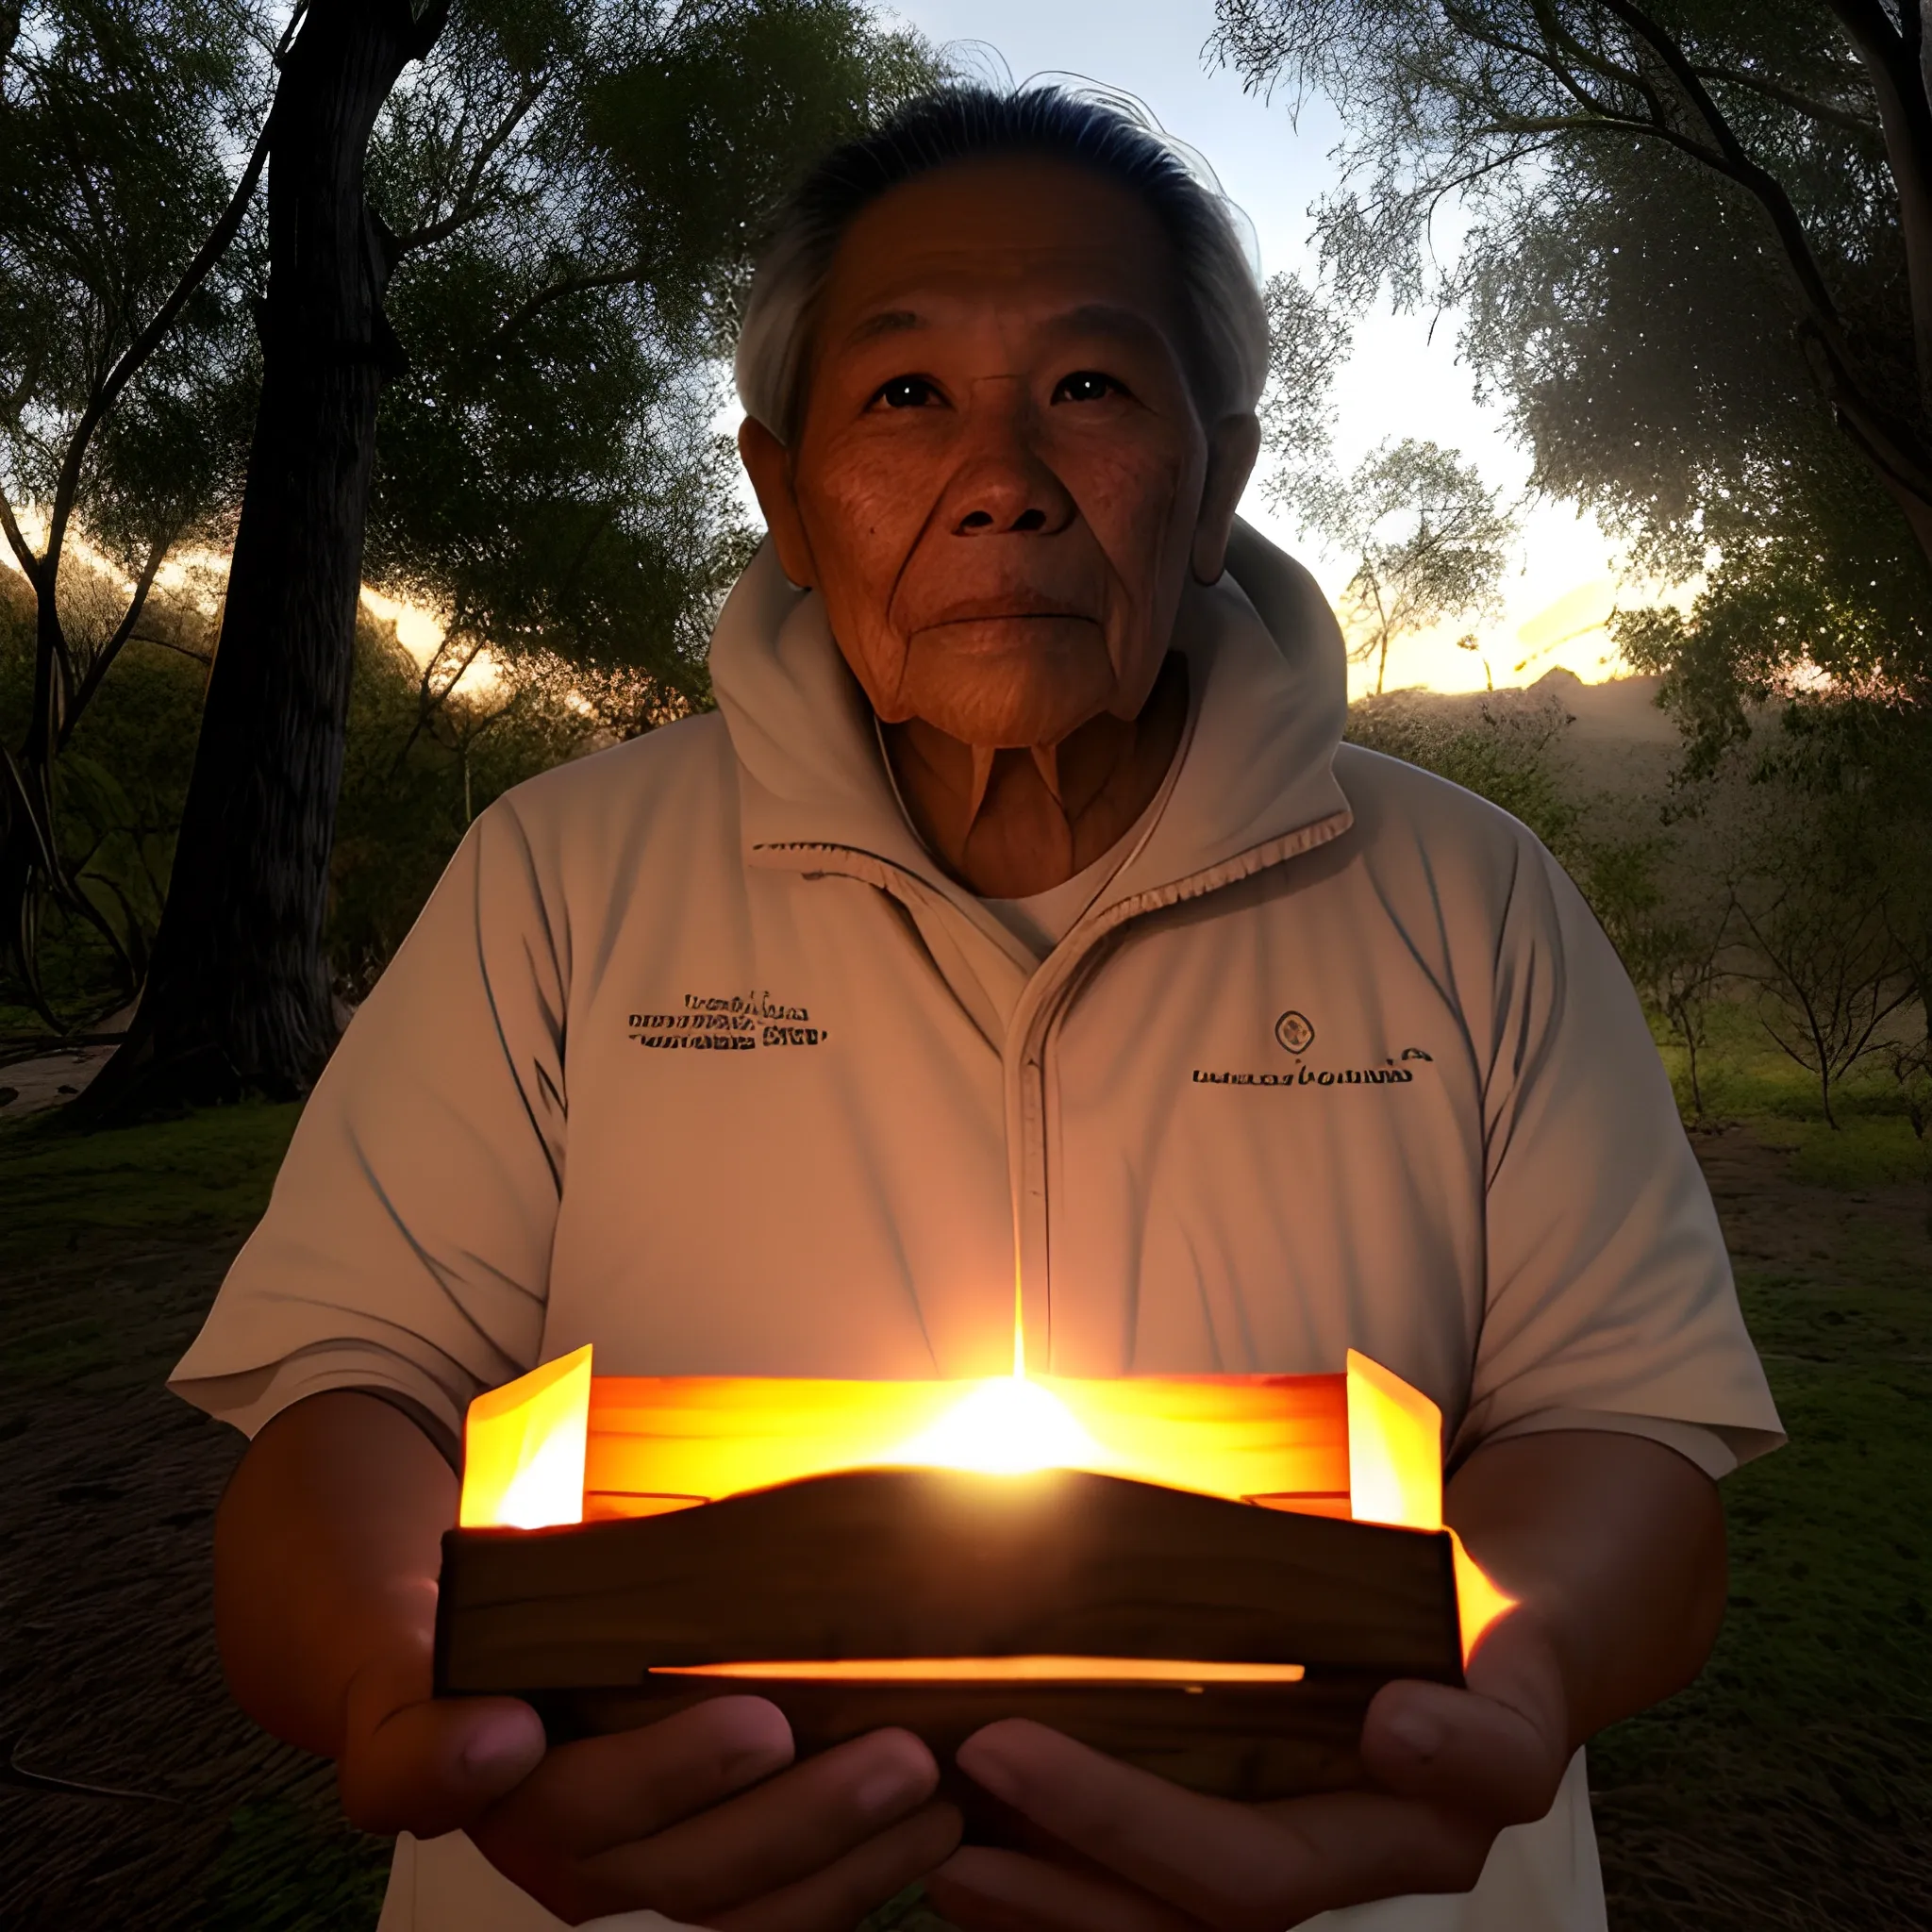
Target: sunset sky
column 1404, row 379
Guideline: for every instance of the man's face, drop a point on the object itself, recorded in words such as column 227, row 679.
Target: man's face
column 1002, row 478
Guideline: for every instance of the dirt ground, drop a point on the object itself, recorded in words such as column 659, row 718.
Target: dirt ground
column 122, row 1761
column 133, row 1796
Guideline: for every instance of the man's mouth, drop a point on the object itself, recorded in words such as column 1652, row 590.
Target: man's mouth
column 1007, row 608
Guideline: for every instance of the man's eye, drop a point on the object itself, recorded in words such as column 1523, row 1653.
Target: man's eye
column 1087, row 386
column 907, row 393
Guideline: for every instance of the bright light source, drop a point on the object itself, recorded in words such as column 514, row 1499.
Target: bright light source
column 1006, row 1426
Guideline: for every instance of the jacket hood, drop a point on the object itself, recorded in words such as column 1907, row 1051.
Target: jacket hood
column 1253, row 779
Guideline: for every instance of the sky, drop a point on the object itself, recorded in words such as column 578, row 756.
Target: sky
column 1403, row 378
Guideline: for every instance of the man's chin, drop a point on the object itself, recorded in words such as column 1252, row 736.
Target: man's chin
column 1007, row 682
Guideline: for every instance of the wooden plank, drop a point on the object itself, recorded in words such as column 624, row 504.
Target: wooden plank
column 893, row 1563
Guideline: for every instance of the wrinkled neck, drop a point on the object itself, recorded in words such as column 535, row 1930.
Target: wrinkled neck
column 1009, row 824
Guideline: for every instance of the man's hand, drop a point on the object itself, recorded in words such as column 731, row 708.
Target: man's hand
column 1143, row 1856
column 326, row 1550
column 1613, row 1546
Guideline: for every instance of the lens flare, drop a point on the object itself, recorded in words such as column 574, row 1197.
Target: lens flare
column 1006, row 1426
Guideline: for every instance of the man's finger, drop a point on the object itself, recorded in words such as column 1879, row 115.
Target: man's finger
column 434, row 1766
column 979, row 1889
column 1450, row 1747
column 601, row 1792
column 786, row 1830
column 837, row 1898
column 1234, row 1866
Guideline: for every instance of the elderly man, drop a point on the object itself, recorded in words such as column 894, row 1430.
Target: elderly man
column 1019, row 898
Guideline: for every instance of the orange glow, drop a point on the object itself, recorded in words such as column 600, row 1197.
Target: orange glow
column 1478, row 1601
column 524, row 1448
column 664, row 1442
column 560, row 1446
column 1364, row 1444
column 1006, row 1426
column 997, row 1670
column 1394, row 1449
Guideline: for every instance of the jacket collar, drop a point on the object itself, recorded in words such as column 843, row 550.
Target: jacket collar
column 1255, row 777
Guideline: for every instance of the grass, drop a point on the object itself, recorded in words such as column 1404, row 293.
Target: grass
column 1746, row 1076
column 285, row 1865
column 1791, row 1787
column 209, row 1173
column 1788, row 1791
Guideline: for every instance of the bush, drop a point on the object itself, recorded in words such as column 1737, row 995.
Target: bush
column 1507, row 746
column 421, row 761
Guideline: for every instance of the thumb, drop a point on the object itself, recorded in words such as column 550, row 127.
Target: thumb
column 434, row 1766
column 1466, row 1753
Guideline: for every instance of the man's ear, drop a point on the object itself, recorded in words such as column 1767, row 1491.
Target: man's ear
column 769, row 465
column 1233, row 444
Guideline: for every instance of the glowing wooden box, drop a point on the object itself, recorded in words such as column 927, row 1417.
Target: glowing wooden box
column 627, row 1546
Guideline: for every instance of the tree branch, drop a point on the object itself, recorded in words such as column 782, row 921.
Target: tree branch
column 137, row 352
column 1738, row 166
column 1821, row 111
column 557, row 291
column 467, row 203
column 16, row 541
column 104, row 658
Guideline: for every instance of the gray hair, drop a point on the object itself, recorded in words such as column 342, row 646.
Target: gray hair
column 1227, row 327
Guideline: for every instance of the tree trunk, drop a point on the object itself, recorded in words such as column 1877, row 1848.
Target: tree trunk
column 238, row 996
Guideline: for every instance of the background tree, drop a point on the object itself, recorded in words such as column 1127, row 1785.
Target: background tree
column 563, row 204
column 1428, row 541
column 1671, row 916
column 1308, row 341
column 126, row 369
column 1697, row 269
column 1814, row 912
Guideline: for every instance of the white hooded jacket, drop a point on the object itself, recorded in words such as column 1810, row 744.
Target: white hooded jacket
column 696, row 1054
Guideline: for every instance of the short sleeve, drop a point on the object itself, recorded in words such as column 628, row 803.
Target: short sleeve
column 1609, row 1301
column 406, row 1245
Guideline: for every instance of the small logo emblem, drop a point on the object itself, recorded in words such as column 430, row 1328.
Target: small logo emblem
column 1294, row 1032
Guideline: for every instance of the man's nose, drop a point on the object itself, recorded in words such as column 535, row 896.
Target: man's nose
column 1005, row 489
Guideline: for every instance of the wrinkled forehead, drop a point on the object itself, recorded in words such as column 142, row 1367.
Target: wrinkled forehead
column 1012, row 247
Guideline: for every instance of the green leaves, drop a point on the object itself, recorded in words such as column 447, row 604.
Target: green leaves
column 578, row 188
column 118, row 149
column 1682, row 269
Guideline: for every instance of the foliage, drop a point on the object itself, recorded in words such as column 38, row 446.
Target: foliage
column 124, row 776
column 1672, row 922
column 1819, row 946
column 576, row 189
column 1505, row 747
column 117, row 156
column 126, row 354
column 1427, row 538
column 425, row 755
column 1685, row 269
column 422, row 759
column 571, row 193
column 1308, row 341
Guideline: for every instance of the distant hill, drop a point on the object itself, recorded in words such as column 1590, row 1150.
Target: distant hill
column 1617, row 741
column 1621, row 710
